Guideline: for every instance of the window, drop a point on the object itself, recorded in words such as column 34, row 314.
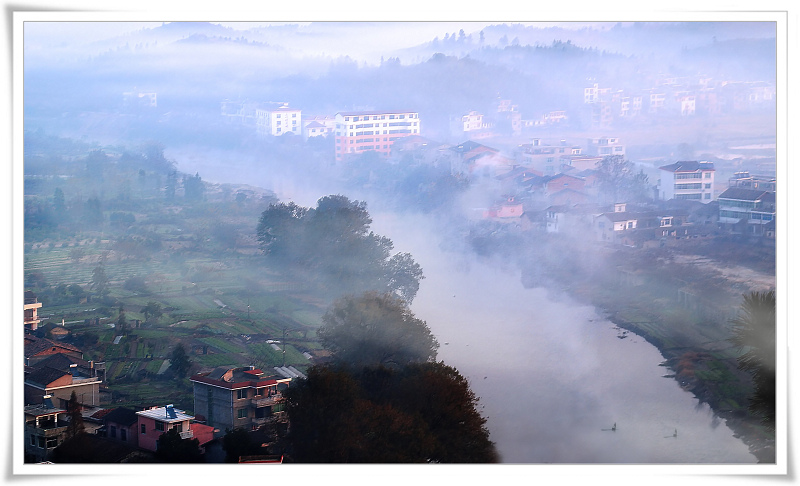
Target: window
column 41, row 442
column 144, row 429
column 708, row 186
column 241, row 393
column 241, row 413
column 160, row 426
column 113, row 432
column 33, row 440
column 706, row 196
column 123, row 434
column 707, row 175
column 260, row 391
column 52, row 442
column 630, row 224
column 294, row 115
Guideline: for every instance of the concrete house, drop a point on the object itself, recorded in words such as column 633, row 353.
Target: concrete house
column 245, row 397
column 687, row 180
column 155, row 421
column 45, row 429
column 747, row 210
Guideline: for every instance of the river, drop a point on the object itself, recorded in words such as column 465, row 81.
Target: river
column 553, row 375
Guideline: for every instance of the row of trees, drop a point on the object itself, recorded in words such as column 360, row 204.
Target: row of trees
column 332, row 244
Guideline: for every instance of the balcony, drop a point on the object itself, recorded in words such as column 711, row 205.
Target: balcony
column 265, row 401
column 187, row 434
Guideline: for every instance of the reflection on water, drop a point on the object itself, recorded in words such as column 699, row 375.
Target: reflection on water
column 554, row 377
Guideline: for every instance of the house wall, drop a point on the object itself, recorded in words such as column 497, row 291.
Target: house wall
column 123, row 433
column 684, row 185
column 61, row 390
column 149, row 439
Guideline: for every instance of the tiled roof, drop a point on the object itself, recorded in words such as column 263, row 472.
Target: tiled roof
column 62, row 361
column 121, row 415
column 35, row 345
column 45, row 375
column 743, row 194
column 688, row 166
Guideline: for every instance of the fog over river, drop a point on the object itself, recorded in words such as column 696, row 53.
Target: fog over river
column 551, row 373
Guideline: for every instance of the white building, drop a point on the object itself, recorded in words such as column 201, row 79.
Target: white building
column 687, row 180
column 318, row 126
column 278, row 120
column 605, row 146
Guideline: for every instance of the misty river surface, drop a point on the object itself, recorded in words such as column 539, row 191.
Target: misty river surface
column 552, row 373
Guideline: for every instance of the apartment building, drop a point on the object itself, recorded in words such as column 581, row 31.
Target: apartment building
column 687, row 180
column 358, row 132
column 32, row 306
column 244, row 397
column 278, row 119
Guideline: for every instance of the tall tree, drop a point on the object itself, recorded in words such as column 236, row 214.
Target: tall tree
column 179, row 361
column 374, row 329
column 754, row 333
column 59, row 202
column 75, row 426
column 122, row 322
column 152, row 309
column 99, row 281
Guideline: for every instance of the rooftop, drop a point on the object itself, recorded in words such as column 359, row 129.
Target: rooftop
column 744, row 194
column 688, row 166
column 374, row 112
column 161, row 414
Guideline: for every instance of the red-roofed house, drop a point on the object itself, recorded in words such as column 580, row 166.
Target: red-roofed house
column 232, row 398
column 37, row 349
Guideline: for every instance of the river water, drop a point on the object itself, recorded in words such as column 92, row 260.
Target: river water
column 552, row 374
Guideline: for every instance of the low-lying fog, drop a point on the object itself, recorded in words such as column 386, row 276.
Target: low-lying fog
column 552, row 373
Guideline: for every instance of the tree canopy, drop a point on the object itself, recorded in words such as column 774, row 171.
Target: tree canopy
column 754, row 333
column 376, row 329
column 332, row 245
column 172, row 449
column 422, row 412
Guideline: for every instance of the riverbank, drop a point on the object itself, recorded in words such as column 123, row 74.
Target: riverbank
column 747, row 428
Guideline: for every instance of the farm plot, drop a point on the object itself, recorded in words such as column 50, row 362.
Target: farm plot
column 265, row 353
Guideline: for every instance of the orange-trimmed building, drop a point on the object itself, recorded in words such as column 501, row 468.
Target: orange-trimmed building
column 363, row 131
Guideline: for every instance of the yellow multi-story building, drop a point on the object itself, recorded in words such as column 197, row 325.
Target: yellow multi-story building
column 361, row 131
